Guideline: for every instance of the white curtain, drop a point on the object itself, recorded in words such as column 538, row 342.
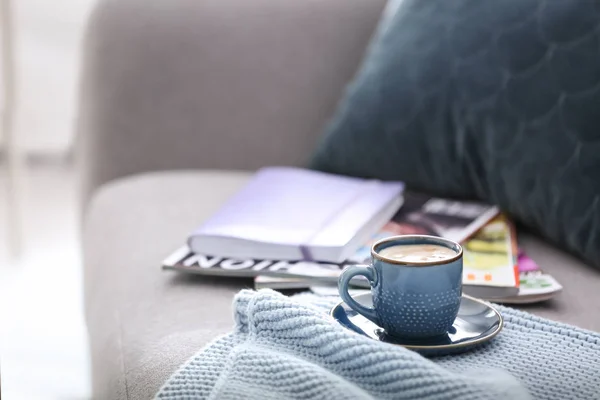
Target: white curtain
column 11, row 149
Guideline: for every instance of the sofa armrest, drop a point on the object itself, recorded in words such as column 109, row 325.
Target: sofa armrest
column 224, row 84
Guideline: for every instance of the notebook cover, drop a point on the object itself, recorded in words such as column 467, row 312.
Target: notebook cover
column 283, row 205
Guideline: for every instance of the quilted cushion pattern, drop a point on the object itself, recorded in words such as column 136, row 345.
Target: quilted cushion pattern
column 497, row 100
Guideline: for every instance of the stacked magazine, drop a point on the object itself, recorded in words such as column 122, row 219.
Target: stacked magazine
column 494, row 267
column 493, row 270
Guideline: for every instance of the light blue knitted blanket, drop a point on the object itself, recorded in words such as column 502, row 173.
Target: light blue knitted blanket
column 289, row 348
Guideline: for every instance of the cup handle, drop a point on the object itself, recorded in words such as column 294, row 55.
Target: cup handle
column 344, row 281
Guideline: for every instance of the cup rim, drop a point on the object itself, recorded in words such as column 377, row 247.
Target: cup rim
column 375, row 255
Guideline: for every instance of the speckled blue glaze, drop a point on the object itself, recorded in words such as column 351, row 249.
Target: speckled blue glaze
column 410, row 300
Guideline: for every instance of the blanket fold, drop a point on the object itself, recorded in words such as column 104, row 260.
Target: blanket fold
column 289, row 348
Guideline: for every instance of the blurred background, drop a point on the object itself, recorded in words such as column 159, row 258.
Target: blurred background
column 43, row 349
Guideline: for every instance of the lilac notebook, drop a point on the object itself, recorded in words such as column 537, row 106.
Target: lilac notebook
column 290, row 214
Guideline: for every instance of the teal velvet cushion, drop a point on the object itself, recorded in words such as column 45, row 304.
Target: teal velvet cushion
column 497, row 100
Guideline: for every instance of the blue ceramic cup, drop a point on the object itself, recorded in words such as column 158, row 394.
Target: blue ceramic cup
column 410, row 299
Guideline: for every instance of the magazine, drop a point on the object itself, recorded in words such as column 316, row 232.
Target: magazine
column 185, row 260
column 425, row 215
column 534, row 285
column 272, row 282
column 490, row 260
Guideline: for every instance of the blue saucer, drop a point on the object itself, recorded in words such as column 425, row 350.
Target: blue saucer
column 477, row 323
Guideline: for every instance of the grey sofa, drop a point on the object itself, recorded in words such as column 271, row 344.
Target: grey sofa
column 180, row 100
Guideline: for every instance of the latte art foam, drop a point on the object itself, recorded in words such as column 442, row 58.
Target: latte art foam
column 417, row 253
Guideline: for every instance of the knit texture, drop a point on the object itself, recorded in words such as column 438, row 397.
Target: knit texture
column 289, row 348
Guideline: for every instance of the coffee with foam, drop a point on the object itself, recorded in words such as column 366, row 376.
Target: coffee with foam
column 417, row 253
